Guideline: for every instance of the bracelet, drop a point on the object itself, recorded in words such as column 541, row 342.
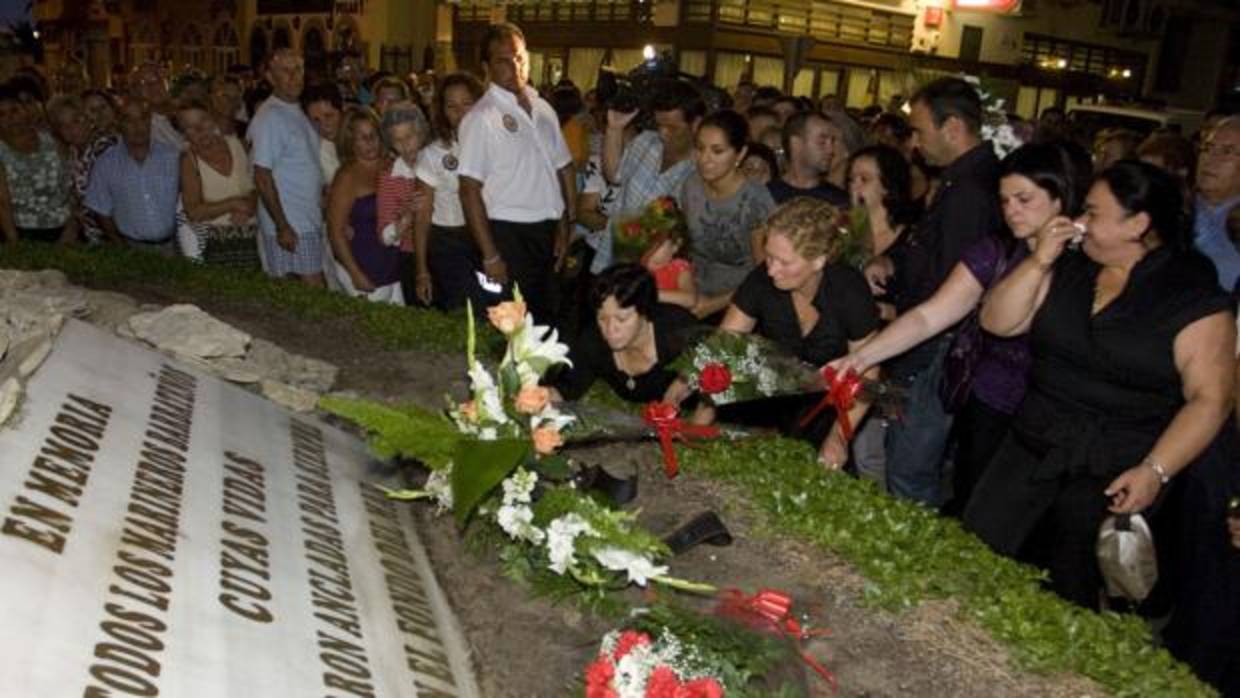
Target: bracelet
column 491, row 260
column 1158, row 469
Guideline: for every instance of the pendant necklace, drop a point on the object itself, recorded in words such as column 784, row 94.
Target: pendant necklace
column 630, row 383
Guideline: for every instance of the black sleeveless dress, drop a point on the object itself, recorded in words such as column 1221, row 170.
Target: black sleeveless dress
column 1102, row 390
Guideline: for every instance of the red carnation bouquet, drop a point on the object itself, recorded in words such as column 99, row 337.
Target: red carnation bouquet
column 632, row 237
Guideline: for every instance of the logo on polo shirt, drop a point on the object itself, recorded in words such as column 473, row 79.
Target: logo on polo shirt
column 450, row 163
column 510, row 123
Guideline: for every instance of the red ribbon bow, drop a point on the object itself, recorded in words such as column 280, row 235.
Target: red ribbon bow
column 771, row 611
column 842, row 392
column 668, row 425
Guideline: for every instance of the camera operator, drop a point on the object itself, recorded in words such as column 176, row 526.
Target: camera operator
column 657, row 162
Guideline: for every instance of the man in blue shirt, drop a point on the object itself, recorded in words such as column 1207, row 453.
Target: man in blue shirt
column 1218, row 191
column 135, row 184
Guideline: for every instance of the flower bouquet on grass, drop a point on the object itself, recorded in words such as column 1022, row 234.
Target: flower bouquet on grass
column 727, row 367
column 503, row 470
column 749, row 646
column 632, row 237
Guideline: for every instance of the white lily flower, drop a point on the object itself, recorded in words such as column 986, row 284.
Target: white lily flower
column 639, row 568
column 561, row 535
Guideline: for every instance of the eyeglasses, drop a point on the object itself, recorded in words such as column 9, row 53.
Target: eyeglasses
column 1224, row 151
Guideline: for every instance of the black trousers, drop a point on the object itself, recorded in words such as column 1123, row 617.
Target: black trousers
column 979, row 430
column 528, row 250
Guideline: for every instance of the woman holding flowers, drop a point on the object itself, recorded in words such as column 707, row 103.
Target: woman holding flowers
column 809, row 305
column 632, row 343
column 724, row 210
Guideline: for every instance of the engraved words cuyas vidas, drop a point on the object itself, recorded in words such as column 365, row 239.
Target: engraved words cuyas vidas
column 166, row 533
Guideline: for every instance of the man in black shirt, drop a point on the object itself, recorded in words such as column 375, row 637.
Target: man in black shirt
column 946, row 121
column 809, row 145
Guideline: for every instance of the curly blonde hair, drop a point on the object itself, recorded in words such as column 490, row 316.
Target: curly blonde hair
column 811, row 225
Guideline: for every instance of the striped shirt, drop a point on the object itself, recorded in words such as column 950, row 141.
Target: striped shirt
column 394, row 193
column 141, row 197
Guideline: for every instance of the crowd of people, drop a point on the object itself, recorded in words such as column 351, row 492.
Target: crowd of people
column 1059, row 322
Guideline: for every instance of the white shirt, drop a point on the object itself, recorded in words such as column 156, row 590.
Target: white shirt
column 163, row 131
column 515, row 155
column 438, row 164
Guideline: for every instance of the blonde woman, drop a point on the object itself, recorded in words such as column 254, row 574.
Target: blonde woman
column 810, row 306
column 217, row 193
column 364, row 265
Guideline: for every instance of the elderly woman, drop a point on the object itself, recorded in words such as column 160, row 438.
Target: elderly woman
column 406, row 132
column 72, row 128
column 809, row 305
column 217, row 193
column 632, row 343
column 364, row 265
column 35, row 193
column 1133, row 362
column 446, row 257
column 724, row 210
column 1037, row 183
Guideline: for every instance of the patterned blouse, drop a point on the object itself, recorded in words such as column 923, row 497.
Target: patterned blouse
column 80, row 167
column 38, row 184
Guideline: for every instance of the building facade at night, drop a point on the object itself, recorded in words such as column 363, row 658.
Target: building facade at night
column 1035, row 52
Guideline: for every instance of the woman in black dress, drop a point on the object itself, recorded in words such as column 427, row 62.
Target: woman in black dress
column 1133, row 361
column 811, row 306
column 632, row 342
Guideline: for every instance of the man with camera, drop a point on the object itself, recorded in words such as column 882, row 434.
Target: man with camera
column 517, row 184
column 656, row 162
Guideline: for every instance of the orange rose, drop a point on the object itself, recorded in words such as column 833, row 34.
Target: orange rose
column 546, row 440
column 532, row 399
column 507, row 316
column 469, row 411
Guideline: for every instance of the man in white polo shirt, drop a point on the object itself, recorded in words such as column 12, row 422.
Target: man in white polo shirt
column 517, row 185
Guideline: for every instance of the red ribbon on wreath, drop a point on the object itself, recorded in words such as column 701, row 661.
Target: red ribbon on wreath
column 664, row 418
column 842, row 392
column 771, row 611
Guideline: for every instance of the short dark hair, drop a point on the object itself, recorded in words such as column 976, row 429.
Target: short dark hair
column 322, row 92
column 499, row 32
column 669, row 94
column 1142, row 188
column 439, row 117
column 897, row 124
column 1049, row 166
column 895, row 175
column 795, row 126
column 735, row 128
column 755, row 149
column 767, row 93
column 630, row 284
column 8, row 94
column 566, row 101
column 948, row 97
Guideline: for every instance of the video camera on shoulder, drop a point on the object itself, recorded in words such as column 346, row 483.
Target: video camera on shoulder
column 641, row 88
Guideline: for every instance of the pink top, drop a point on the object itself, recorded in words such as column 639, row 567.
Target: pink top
column 667, row 277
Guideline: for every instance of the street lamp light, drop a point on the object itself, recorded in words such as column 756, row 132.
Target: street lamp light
column 648, row 52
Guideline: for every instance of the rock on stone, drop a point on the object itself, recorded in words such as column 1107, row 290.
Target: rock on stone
column 189, row 331
column 35, row 358
column 110, row 310
column 274, row 363
column 4, row 343
column 290, row 396
column 235, row 370
column 10, row 393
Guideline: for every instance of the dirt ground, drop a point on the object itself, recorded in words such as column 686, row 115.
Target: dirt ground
column 525, row 647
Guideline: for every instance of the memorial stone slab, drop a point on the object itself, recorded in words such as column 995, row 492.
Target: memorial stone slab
column 165, row 533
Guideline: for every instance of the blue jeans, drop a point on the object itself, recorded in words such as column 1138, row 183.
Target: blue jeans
column 917, row 440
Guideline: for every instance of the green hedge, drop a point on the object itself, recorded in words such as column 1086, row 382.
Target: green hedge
column 906, row 553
